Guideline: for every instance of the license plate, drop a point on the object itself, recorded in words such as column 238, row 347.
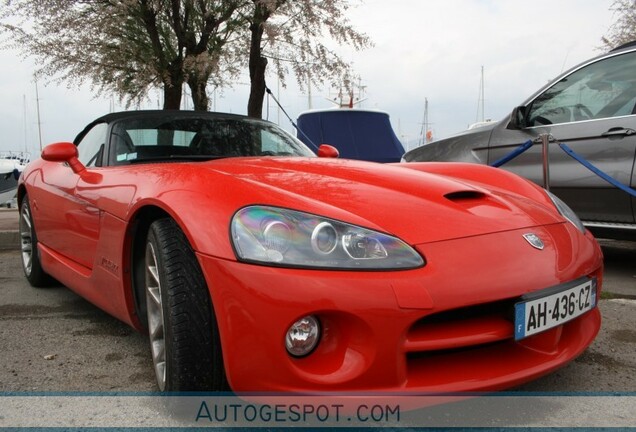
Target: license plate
column 553, row 307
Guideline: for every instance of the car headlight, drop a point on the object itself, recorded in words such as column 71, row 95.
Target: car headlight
column 288, row 238
column 566, row 211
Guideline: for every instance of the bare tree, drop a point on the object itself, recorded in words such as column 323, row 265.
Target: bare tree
column 623, row 30
column 293, row 35
column 127, row 47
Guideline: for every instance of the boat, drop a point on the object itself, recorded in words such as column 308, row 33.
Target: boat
column 356, row 133
column 11, row 165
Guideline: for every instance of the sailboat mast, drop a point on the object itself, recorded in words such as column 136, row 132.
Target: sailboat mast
column 481, row 99
column 424, row 131
column 37, row 104
column 24, row 107
column 309, row 104
column 426, row 120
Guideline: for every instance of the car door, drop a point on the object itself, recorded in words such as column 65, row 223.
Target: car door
column 593, row 111
column 72, row 225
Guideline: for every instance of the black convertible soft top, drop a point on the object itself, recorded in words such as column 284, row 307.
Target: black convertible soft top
column 116, row 116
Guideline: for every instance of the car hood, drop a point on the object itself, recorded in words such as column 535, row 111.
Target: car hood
column 416, row 206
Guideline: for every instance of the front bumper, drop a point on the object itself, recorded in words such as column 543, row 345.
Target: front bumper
column 445, row 327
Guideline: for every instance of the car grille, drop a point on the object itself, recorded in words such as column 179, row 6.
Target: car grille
column 457, row 341
column 461, row 328
column 466, row 348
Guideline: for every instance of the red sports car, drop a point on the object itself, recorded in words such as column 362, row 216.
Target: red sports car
column 254, row 264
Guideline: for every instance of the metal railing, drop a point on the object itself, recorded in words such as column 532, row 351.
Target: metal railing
column 544, row 140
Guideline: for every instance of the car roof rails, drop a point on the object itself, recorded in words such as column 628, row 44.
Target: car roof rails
column 625, row 45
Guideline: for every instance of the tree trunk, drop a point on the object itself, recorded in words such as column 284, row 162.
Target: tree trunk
column 172, row 96
column 200, row 98
column 257, row 65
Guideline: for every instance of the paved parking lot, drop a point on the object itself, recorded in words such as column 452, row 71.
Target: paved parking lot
column 53, row 340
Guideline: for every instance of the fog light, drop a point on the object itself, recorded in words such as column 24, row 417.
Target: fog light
column 302, row 336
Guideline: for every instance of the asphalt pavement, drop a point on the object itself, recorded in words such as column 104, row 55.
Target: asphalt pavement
column 9, row 237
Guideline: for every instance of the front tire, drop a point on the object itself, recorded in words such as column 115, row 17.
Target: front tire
column 31, row 264
column 184, row 338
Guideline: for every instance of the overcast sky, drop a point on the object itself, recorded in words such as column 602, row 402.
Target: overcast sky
column 423, row 49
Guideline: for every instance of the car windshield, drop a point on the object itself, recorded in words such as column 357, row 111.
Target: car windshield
column 192, row 138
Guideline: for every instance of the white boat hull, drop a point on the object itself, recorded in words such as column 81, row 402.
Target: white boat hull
column 11, row 165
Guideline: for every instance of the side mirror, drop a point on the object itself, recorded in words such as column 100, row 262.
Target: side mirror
column 518, row 118
column 327, row 151
column 63, row 152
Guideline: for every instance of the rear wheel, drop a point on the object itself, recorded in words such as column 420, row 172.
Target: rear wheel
column 184, row 338
column 30, row 255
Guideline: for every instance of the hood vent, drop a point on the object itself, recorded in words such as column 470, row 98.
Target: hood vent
column 467, row 195
column 479, row 203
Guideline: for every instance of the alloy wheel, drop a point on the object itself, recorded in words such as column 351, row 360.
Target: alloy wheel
column 26, row 239
column 155, row 316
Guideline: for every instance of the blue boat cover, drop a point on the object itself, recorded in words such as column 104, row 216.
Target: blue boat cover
column 357, row 134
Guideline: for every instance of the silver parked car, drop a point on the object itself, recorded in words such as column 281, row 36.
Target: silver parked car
column 592, row 109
